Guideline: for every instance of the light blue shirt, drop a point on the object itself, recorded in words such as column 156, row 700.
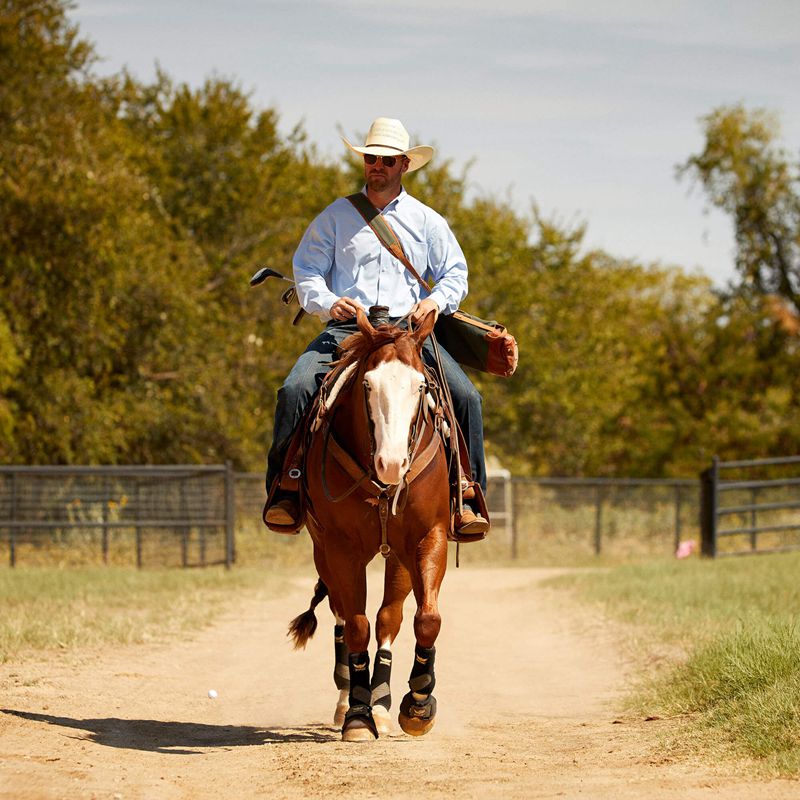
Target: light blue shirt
column 341, row 256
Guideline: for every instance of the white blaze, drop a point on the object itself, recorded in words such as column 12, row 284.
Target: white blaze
column 393, row 395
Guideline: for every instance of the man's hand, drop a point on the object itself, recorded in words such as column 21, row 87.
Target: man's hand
column 344, row 308
column 422, row 309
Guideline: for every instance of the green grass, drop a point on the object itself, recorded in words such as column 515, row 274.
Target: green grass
column 91, row 606
column 721, row 641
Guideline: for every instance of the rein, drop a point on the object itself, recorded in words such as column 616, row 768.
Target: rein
column 365, row 479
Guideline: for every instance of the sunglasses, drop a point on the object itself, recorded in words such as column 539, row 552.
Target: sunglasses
column 388, row 161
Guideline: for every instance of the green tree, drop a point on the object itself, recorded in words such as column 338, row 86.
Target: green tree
column 92, row 276
column 231, row 185
column 746, row 174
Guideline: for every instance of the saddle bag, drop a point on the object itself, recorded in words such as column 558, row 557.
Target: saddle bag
column 481, row 344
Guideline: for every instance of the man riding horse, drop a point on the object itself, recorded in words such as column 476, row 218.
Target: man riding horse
column 341, row 266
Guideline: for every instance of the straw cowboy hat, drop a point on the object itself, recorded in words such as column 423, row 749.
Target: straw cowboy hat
column 388, row 137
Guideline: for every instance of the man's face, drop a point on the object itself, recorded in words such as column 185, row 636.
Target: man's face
column 382, row 178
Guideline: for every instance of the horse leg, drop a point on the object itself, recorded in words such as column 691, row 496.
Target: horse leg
column 351, row 601
column 341, row 672
column 396, row 587
column 418, row 708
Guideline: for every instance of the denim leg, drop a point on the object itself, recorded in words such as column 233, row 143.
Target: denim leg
column 468, row 407
column 298, row 389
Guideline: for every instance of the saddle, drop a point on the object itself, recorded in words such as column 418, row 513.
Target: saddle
column 315, row 421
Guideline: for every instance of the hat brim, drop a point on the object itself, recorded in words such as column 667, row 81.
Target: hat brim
column 417, row 156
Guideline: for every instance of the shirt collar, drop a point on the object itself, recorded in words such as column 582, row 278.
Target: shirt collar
column 394, row 202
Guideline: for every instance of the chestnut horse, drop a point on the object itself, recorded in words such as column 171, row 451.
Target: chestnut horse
column 377, row 480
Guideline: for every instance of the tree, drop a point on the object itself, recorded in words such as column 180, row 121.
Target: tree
column 744, row 173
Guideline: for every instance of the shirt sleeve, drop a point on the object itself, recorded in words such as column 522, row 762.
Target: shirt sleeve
column 447, row 266
column 312, row 264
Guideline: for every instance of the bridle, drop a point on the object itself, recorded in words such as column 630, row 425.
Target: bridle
column 364, row 478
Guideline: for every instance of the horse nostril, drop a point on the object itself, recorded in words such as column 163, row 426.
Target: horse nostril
column 381, row 464
column 404, row 465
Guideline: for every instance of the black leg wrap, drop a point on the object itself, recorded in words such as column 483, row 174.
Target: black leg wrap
column 416, row 710
column 341, row 672
column 422, row 678
column 360, row 694
column 381, row 677
column 418, row 707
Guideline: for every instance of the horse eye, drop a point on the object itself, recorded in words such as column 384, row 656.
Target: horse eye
column 367, row 387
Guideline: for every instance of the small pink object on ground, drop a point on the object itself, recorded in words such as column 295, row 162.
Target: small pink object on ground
column 685, row 549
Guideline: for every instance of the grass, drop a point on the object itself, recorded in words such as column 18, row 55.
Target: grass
column 732, row 640
column 46, row 608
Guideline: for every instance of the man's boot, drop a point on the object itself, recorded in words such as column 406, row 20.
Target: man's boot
column 471, row 522
column 285, row 509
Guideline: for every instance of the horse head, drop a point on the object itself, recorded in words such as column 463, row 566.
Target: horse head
column 394, row 386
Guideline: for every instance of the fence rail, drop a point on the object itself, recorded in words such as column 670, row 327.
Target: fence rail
column 153, row 514
column 761, row 510
column 191, row 516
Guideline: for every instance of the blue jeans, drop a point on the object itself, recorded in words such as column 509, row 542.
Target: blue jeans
column 306, row 377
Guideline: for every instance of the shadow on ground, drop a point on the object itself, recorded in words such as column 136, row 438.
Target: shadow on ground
column 180, row 738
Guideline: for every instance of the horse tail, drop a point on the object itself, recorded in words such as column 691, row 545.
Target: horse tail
column 302, row 627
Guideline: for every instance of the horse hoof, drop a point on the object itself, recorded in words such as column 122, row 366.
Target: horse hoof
column 382, row 719
column 339, row 715
column 416, row 719
column 359, row 726
column 414, row 726
column 358, row 730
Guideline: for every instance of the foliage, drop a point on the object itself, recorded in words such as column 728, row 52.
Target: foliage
column 744, row 173
column 135, row 213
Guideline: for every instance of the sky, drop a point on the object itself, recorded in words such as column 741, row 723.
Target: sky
column 581, row 107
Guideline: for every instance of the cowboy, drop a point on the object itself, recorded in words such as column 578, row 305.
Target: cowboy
column 340, row 266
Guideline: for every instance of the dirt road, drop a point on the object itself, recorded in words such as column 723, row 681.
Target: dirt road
column 528, row 692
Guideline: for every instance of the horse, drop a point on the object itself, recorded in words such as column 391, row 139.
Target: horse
column 377, row 480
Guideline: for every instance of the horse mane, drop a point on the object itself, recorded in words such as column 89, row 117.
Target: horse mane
column 358, row 346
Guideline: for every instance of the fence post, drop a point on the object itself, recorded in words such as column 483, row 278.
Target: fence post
column 677, row 516
column 598, row 521
column 105, row 494
column 753, row 519
column 184, row 508
column 708, row 509
column 230, row 515
column 12, row 531
column 138, row 527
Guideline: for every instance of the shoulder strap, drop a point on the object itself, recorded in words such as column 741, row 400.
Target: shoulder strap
column 389, row 240
column 384, row 232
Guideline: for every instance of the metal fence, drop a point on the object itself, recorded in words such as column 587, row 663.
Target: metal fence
column 751, row 507
column 557, row 520
column 194, row 516
column 548, row 520
column 165, row 515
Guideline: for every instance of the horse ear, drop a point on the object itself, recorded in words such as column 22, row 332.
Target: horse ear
column 423, row 330
column 364, row 325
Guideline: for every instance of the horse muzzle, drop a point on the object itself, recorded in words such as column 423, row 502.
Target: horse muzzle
column 390, row 470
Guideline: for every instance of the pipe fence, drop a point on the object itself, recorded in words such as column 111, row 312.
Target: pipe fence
column 147, row 515
column 751, row 506
column 202, row 515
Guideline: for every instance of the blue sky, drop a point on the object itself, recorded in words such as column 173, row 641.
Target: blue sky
column 584, row 108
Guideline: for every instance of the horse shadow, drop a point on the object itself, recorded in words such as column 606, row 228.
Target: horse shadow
column 179, row 738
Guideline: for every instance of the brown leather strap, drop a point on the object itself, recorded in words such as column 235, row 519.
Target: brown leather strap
column 388, row 238
column 358, row 473
column 384, row 232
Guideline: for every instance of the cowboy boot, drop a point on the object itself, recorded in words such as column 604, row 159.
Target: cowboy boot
column 284, row 510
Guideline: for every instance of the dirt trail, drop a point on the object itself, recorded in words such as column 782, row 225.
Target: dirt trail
column 527, row 690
